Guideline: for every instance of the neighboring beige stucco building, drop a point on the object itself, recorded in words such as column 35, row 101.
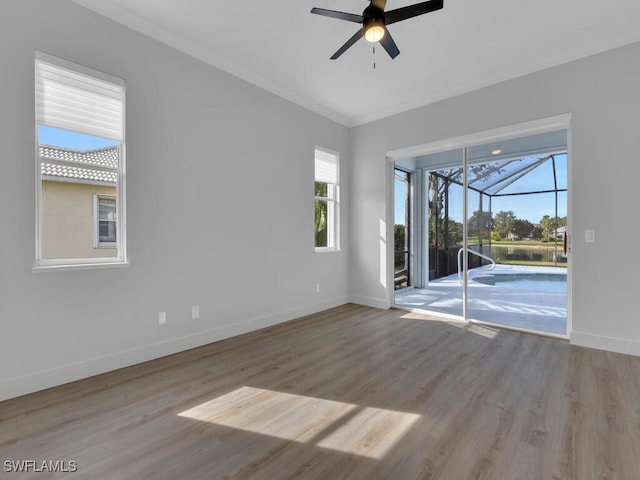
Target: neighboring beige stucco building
column 74, row 182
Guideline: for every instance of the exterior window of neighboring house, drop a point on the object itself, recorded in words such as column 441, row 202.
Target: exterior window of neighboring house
column 79, row 166
column 326, row 200
column 105, row 220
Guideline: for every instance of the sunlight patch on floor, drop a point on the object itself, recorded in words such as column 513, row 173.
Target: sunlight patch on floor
column 349, row 428
column 482, row 330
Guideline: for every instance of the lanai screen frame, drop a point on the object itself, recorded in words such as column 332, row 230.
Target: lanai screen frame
column 499, row 184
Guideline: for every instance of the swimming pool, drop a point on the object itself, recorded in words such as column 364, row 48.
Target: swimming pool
column 537, row 282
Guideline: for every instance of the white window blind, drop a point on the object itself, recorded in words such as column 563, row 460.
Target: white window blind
column 70, row 100
column 326, row 166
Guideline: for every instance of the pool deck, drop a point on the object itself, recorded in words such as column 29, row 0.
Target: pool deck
column 527, row 309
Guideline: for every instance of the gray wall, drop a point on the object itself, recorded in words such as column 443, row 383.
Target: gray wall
column 219, row 203
column 602, row 93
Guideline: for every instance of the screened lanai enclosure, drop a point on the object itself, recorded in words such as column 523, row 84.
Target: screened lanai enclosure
column 491, row 185
column 481, row 232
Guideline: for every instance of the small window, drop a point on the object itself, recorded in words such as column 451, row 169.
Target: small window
column 105, row 220
column 326, row 200
column 79, row 165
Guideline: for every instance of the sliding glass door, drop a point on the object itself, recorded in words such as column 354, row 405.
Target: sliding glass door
column 492, row 242
column 517, row 200
column 436, row 236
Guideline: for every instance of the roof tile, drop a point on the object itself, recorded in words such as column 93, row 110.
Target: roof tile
column 74, row 164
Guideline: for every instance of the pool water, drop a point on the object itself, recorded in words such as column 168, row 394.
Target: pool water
column 538, row 282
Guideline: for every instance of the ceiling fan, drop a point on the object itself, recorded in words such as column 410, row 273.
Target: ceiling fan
column 374, row 22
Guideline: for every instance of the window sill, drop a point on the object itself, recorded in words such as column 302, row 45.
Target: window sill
column 327, row 250
column 56, row 267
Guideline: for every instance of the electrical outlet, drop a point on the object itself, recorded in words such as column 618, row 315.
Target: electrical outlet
column 195, row 311
column 589, row 236
column 162, row 318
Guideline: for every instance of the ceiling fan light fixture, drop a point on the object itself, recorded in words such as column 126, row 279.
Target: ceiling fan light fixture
column 374, row 32
column 374, row 21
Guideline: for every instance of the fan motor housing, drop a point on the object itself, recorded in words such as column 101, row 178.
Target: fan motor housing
column 372, row 15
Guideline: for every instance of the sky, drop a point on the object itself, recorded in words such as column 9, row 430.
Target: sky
column 527, row 207
column 64, row 138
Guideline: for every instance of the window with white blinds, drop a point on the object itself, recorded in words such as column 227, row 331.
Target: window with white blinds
column 326, row 199
column 78, row 102
column 79, row 116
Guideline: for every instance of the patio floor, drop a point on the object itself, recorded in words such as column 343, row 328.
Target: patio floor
column 528, row 309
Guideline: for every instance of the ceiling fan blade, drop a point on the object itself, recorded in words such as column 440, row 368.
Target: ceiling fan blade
column 359, row 34
column 389, row 45
column 379, row 3
column 349, row 17
column 393, row 16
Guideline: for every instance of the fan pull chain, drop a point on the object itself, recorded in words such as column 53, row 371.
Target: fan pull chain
column 374, row 57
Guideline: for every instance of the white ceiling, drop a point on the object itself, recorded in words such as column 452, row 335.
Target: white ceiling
column 279, row 46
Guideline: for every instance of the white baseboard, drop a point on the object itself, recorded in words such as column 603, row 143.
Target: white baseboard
column 58, row 375
column 611, row 344
column 370, row 302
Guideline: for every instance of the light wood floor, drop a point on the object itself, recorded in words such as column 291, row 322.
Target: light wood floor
column 353, row 392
